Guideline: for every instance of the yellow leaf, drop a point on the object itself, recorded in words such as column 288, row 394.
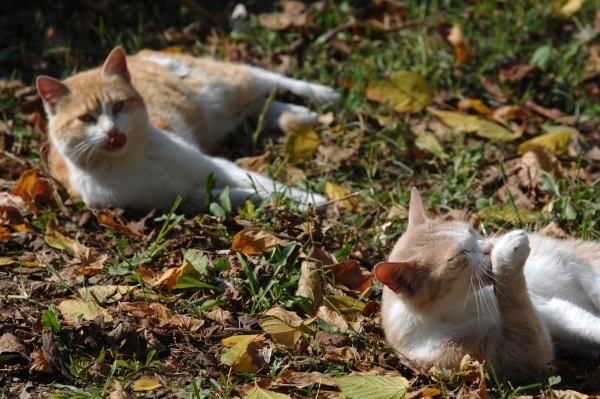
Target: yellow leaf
column 236, row 339
column 372, row 386
column 254, row 240
column 257, row 392
column 405, row 91
column 145, row 384
column 335, row 192
column 285, row 327
column 427, row 141
column 104, row 293
column 507, row 213
column 76, row 309
column 557, row 140
column 9, row 262
column 345, row 304
column 566, row 8
column 301, row 143
column 60, row 241
column 243, row 357
column 472, row 124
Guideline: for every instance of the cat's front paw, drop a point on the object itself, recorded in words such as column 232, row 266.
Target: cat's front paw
column 510, row 253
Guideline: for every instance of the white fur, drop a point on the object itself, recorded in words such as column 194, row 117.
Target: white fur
column 563, row 289
column 153, row 168
column 221, row 120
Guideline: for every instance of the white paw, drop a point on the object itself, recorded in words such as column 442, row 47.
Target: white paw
column 510, row 253
column 325, row 95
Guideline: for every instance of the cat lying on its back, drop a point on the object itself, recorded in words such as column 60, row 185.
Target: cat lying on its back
column 509, row 300
column 136, row 131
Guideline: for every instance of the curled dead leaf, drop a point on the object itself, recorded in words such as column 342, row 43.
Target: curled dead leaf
column 254, row 240
column 456, row 38
column 34, row 190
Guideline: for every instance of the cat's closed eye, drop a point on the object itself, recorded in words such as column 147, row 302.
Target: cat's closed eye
column 461, row 253
column 118, row 107
column 87, row 118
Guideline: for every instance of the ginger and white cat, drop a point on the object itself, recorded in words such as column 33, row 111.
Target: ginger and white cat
column 136, row 132
column 511, row 300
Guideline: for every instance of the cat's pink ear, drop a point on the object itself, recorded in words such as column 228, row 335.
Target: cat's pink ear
column 116, row 65
column 397, row 276
column 416, row 212
column 52, row 91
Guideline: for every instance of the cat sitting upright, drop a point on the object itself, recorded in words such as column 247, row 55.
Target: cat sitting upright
column 135, row 132
column 509, row 300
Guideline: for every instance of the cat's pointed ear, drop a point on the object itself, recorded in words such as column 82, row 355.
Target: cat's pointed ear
column 116, row 65
column 52, row 91
column 397, row 276
column 416, row 212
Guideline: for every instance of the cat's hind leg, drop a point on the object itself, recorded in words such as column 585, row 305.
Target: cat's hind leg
column 572, row 327
column 317, row 92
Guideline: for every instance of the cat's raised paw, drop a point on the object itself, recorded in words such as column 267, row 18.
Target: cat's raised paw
column 510, row 253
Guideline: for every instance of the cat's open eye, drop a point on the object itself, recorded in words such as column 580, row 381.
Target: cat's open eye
column 117, row 107
column 87, row 118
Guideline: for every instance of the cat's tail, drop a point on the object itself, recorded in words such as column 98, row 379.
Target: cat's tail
column 319, row 93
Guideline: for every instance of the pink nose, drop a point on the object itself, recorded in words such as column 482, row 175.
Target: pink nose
column 113, row 132
column 488, row 249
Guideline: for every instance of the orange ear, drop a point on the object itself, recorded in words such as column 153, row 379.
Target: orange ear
column 116, row 65
column 51, row 90
column 397, row 276
column 416, row 212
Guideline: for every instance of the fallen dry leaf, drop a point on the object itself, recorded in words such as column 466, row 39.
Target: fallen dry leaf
column 557, row 140
column 350, row 274
column 156, row 316
column 243, row 356
column 428, row 141
column 341, row 196
column 405, row 91
column 74, row 310
column 301, row 144
column 566, row 8
column 310, row 285
column 515, row 73
column 104, row 219
column 145, row 384
column 295, row 15
column 456, row 38
column 254, row 240
column 34, row 190
column 472, row 124
column 39, row 363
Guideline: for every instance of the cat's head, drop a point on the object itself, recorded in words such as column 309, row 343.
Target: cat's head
column 94, row 115
column 435, row 262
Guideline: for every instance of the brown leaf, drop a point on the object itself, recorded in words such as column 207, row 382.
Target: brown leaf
column 310, row 285
column 39, row 363
column 342, row 196
column 456, row 38
column 104, row 219
column 295, row 15
column 156, row 316
column 350, row 274
column 515, row 73
column 10, row 344
column 254, row 240
column 305, row 379
column 34, row 190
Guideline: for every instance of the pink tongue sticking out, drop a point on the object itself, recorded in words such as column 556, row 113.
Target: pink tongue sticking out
column 117, row 141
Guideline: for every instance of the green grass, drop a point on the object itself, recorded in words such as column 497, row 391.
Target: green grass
column 384, row 165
